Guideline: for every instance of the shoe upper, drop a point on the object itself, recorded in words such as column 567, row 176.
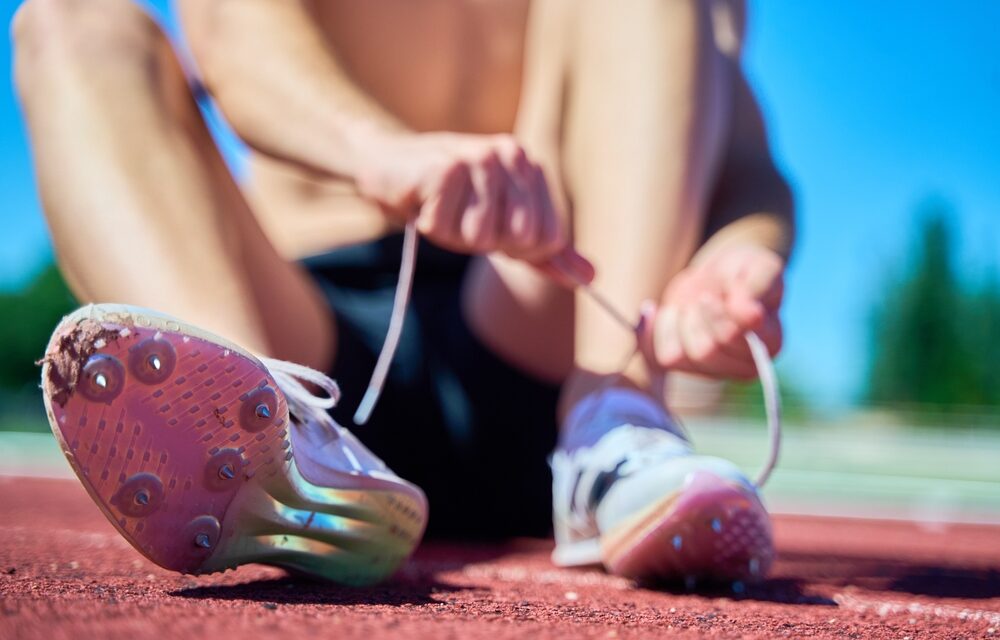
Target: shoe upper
column 584, row 476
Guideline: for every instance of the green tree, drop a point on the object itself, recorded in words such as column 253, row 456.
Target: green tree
column 29, row 317
column 932, row 335
column 983, row 325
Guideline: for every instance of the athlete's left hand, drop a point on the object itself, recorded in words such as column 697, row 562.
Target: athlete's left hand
column 698, row 326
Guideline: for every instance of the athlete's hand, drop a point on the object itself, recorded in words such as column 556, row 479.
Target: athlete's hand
column 472, row 194
column 698, row 327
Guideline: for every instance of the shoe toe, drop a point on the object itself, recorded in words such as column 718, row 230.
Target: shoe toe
column 698, row 520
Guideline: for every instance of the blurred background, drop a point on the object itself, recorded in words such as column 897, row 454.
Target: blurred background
column 884, row 117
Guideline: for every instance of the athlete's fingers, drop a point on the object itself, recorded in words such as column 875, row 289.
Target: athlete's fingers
column 745, row 310
column 568, row 268
column 648, row 310
column 726, row 331
column 479, row 221
column 552, row 237
column 703, row 351
column 520, row 234
column 760, row 277
column 771, row 333
column 440, row 215
column 775, row 293
column 667, row 344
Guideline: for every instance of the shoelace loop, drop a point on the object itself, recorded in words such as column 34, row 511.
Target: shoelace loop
column 303, row 403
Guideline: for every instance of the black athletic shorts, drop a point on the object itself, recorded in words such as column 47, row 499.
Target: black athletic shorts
column 472, row 431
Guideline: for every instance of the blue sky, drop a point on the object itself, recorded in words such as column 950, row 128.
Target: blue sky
column 872, row 108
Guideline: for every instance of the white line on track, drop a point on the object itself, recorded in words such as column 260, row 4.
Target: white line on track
column 887, row 608
column 512, row 573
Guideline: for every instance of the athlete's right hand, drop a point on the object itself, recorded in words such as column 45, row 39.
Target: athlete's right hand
column 472, row 194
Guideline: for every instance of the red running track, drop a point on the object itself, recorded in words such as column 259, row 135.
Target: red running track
column 65, row 573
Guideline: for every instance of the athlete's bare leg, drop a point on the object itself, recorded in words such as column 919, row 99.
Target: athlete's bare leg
column 635, row 146
column 140, row 204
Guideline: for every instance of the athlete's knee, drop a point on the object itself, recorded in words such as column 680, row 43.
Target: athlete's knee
column 78, row 33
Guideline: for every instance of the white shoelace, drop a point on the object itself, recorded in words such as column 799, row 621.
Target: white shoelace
column 404, row 285
column 307, row 408
column 289, row 376
column 305, row 404
column 772, row 403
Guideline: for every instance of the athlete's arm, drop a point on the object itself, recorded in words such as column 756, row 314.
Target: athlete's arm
column 752, row 204
column 272, row 73
column 284, row 92
column 735, row 281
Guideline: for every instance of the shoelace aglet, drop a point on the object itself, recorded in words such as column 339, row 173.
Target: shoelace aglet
column 366, row 406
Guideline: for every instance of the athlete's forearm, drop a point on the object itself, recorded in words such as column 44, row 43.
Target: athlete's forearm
column 279, row 85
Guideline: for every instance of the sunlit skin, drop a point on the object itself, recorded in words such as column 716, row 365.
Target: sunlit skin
column 617, row 141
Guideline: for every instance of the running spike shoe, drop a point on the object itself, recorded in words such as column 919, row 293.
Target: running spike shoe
column 629, row 493
column 206, row 457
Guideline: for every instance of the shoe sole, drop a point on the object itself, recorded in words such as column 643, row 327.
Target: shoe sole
column 710, row 530
column 182, row 439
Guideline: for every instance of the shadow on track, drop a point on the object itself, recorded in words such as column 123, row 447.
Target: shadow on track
column 415, row 583
column 304, row 591
column 779, row 590
column 882, row 574
column 949, row 582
